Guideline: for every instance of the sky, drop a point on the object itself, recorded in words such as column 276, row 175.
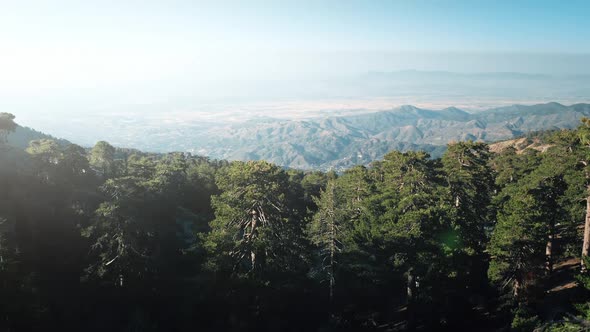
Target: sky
column 103, row 49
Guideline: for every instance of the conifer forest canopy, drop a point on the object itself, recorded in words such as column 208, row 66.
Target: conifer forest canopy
column 487, row 237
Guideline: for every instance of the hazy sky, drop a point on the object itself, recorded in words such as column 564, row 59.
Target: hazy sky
column 72, row 48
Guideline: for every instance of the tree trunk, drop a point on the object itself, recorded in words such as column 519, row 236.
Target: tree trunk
column 251, row 236
column 411, row 294
column 586, row 243
column 549, row 250
column 516, row 288
column 332, row 250
column 252, row 260
column 549, row 255
column 331, row 285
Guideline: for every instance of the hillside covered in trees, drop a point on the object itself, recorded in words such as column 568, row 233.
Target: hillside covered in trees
column 110, row 239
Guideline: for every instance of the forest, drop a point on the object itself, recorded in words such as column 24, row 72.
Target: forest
column 113, row 239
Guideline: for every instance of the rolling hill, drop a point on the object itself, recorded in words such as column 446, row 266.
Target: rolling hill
column 339, row 142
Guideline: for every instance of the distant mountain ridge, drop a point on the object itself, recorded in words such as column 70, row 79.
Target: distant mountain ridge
column 340, row 142
column 405, row 74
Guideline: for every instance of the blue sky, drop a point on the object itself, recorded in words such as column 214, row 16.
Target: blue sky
column 49, row 46
column 496, row 26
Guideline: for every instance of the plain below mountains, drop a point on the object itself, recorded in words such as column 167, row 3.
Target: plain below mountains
column 340, row 142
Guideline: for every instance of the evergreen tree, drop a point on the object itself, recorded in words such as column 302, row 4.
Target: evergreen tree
column 102, row 159
column 470, row 185
column 509, row 166
column 312, row 184
column 526, row 222
column 326, row 232
column 584, row 132
column 47, row 155
column 408, row 222
column 253, row 232
column 121, row 233
column 7, row 126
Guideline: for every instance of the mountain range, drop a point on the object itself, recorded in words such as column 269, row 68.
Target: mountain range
column 340, row 142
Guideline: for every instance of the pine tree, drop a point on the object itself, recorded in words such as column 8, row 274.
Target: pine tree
column 326, row 232
column 408, row 221
column 509, row 167
column 121, row 233
column 470, row 185
column 584, row 132
column 518, row 246
column 253, row 233
column 102, row 159
column 7, row 126
column 47, row 155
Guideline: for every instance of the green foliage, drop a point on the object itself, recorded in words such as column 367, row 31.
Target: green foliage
column 7, row 126
column 403, row 226
column 525, row 223
column 312, row 183
column 253, row 232
column 524, row 320
column 470, row 184
column 409, row 201
column 584, row 131
column 517, row 242
column 511, row 167
column 47, row 150
column 329, row 232
column 121, row 233
column 409, row 241
column 102, row 159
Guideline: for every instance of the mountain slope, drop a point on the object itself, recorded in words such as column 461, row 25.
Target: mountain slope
column 21, row 137
column 338, row 142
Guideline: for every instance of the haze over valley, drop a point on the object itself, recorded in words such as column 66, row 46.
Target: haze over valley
column 312, row 132
column 182, row 77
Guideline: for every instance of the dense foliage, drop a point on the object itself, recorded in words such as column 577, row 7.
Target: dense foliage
column 120, row 240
